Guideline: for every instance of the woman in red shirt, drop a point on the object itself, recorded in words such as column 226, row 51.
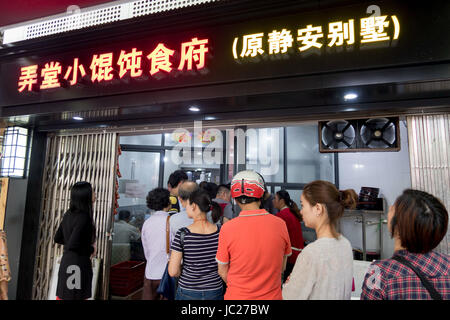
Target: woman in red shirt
column 290, row 213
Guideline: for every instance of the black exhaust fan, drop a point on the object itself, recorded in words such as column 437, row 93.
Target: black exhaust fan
column 378, row 133
column 339, row 134
column 375, row 134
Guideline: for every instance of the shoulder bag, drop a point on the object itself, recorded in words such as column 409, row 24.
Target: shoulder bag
column 167, row 285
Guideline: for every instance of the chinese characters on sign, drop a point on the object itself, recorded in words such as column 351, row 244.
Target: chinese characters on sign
column 372, row 30
column 193, row 55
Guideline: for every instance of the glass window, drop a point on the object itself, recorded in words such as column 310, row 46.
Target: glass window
column 293, row 193
column 170, row 139
column 304, row 161
column 172, row 162
column 295, row 196
column 199, row 165
column 144, row 140
column 265, row 153
column 140, row 174
column 178, row 136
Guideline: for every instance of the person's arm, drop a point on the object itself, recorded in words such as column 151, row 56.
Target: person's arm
column 135, row 234
column 94, row 246
column 172, row 228
column 59, row 237
column 144, row 239
column 223, row 255
column 223, row 271
column 176, row 256
column 284, row 264
column 175, row 263
column 287, row 248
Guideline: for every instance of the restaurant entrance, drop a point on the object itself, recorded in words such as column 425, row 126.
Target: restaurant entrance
column 244, row 85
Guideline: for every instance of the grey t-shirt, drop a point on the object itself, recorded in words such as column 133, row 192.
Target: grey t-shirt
column 323, row 271
column 227, row 211
column 178, row 221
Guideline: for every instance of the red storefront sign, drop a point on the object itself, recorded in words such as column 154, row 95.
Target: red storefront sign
column 193, row 56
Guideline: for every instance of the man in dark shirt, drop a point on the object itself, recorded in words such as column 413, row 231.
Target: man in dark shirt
column 223, row 198
column 175, row 180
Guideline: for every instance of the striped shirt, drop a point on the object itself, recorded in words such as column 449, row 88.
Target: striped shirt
column 199, row 271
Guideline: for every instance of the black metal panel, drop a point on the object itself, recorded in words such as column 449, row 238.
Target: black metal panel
column 14, row 225
column 419, row 44
column 31, row 216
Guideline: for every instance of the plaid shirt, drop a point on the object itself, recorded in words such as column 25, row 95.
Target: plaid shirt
column 390, row 280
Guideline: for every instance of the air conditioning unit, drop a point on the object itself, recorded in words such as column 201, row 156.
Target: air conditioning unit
column 359, row 135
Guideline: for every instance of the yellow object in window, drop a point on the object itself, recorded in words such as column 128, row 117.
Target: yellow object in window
column 173, row 200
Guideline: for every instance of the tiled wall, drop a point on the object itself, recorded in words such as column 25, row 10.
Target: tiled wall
column 389, row 171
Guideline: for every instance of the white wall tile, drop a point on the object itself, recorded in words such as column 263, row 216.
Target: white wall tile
column 389, row 171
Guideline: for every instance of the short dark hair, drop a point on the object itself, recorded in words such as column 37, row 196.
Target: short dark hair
column 176, row 177
column 158, row 199
column 124, row 214
column 223, row 188
column 420, row 221
column 186, row 189
column 211, row 188
column 246, row 200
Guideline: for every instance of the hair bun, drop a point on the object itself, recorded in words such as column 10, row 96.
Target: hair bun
column 348, row 198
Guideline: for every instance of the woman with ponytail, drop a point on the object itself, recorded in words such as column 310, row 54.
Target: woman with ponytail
column 196, row 246
column 289, row 212
column 324, row 269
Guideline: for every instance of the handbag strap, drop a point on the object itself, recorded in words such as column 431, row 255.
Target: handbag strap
column 168, row 235
column 182, row 234
column 427, row 284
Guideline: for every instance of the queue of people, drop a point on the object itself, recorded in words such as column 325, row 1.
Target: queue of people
column 215, row 254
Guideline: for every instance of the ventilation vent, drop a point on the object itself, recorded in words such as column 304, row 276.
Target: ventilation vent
column 88, row 18
column 376, row 134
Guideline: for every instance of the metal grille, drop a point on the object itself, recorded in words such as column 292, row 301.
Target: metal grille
column 87, row 157
column 429, row 153
column 73, row 22
column 68, row 115
column 93, row 16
